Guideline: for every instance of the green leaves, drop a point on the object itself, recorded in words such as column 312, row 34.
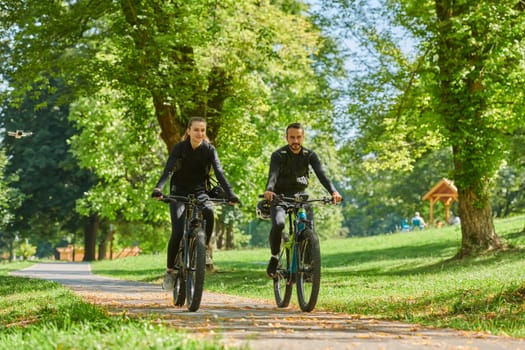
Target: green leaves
column 136, row 69
column 120, row 150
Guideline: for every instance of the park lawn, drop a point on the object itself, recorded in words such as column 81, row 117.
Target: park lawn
column 410, row 277
column 37, row 314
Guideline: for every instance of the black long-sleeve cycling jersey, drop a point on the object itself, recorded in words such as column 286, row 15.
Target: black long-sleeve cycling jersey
column 189, row 169
column 289, row 172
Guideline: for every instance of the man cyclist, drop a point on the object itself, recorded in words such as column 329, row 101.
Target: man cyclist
column 288, row 175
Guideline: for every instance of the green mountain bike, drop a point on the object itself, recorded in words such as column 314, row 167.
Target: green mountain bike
column 300, row 257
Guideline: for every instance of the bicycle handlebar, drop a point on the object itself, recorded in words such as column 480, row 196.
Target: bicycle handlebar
column 300, row 199
column 192, row 199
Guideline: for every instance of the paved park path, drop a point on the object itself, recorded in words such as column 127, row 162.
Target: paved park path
column 237, row 321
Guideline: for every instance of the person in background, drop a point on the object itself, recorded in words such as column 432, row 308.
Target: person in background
column 418, row 222
column 454, row 219
column 188, row 166
column 405, row 227
column 288, row 175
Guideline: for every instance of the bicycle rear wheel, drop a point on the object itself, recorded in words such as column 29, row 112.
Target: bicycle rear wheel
column 282, row 289
column 195, row 274
column 309, row 270
column 179, row 291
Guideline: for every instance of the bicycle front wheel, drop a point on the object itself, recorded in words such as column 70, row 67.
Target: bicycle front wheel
column 282, row 288
column 309, row 270
column 196, row 271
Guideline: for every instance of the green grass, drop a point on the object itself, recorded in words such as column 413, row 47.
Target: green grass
column 406, row 276
column 36, row 314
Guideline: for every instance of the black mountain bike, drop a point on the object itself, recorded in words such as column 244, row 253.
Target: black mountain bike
column 300, row 257
column 190, row 261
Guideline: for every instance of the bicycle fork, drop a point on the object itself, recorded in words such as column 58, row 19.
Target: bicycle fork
column 192, row 222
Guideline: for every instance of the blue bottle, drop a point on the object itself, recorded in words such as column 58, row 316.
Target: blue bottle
column 301, row 215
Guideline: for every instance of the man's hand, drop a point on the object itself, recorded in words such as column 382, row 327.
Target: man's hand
column 336, row 197
column 268, row 195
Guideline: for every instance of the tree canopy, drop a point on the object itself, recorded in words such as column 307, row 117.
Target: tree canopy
column 136, row 69
column 427, row 89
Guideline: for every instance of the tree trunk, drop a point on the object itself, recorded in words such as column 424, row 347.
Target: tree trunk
column 90, row 237
column 171, row 127
column 229, row 236
column 11, row 250
column 463, row 105
column 477, row 226
column 219, row 233
column 103, row 246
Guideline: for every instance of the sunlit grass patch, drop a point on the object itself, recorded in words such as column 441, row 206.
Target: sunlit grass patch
column 132, row 335
column 37, row 314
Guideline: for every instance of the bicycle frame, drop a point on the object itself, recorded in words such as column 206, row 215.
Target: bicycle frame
column 191, row 270
column 193, row 219
column 293, row 229
column 300, row 259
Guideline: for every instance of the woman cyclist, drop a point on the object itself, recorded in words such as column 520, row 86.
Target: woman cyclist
column 188, row 166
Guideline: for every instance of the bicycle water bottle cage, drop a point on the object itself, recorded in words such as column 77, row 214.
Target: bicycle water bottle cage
column 301, row 218
column 301, row 214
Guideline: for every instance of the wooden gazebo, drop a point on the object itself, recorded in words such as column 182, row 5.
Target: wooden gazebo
column 445, row 192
